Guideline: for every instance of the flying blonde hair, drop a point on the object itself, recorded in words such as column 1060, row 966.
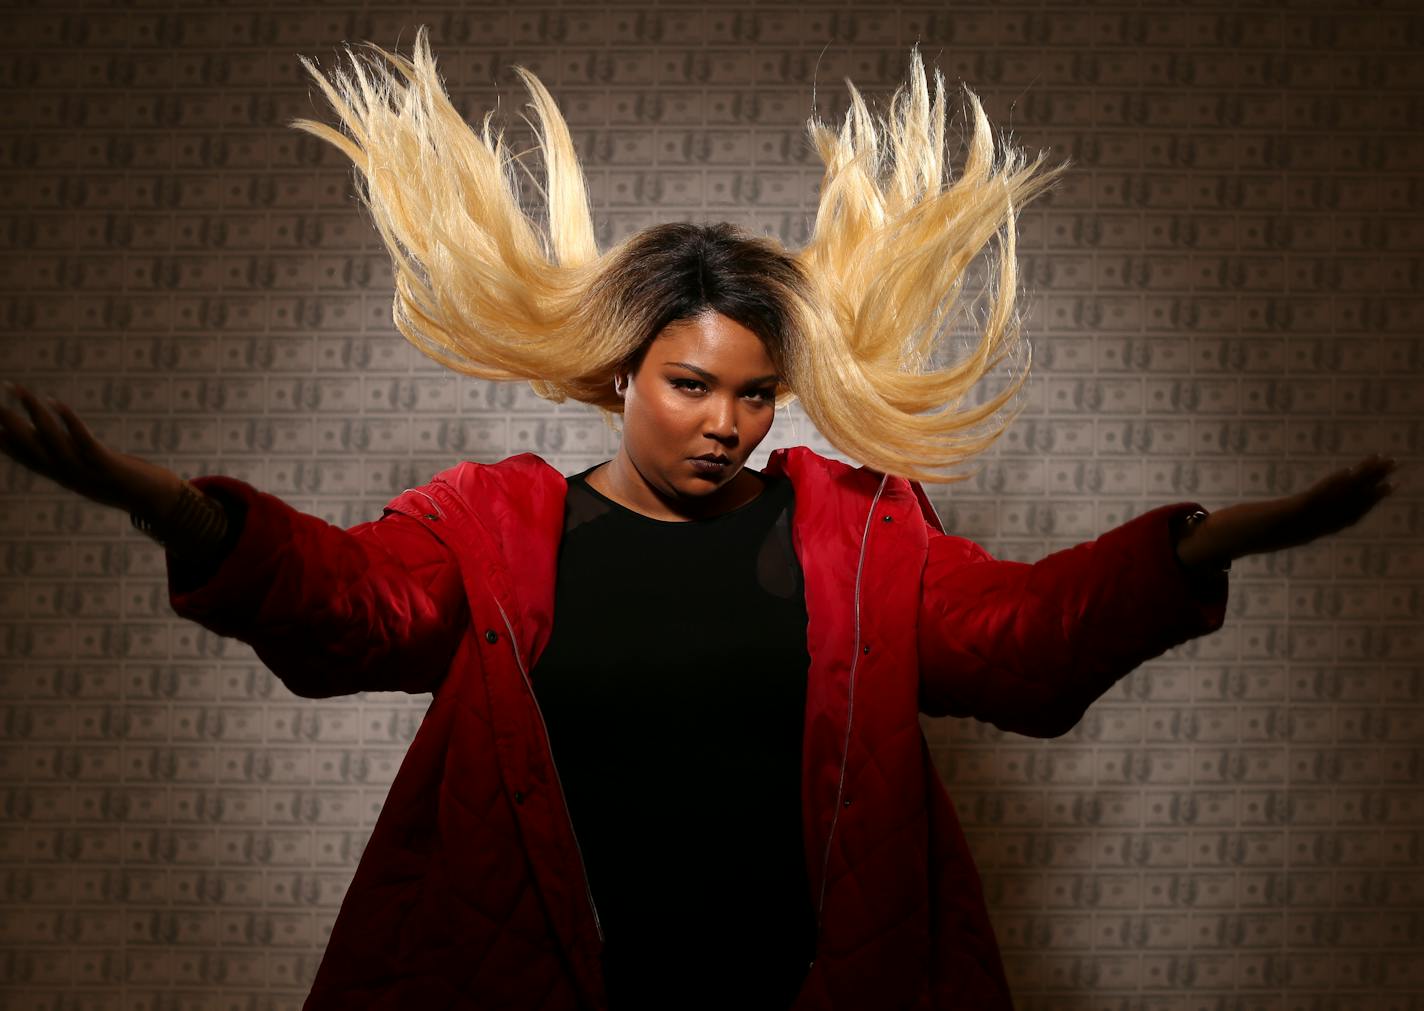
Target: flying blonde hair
column 852, row 319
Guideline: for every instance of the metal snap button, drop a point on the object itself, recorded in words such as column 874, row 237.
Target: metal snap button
column 886, row 518
column 491, row 635
column 847, row 802
column 519, row 796
column 865, row 649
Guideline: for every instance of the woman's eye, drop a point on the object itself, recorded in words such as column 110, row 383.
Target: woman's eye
column 766, row 396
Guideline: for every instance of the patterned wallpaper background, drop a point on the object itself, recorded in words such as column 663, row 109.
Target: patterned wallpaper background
column 1224, row 305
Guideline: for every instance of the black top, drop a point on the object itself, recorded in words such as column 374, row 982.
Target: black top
column 673, row 686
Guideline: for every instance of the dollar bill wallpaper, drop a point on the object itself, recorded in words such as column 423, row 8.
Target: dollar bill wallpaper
column 1221, row 293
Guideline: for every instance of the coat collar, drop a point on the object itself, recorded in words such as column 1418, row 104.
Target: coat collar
column 810, row 472
column 540, row 488
column 519, row 501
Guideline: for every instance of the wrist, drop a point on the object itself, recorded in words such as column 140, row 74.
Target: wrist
column 186, row 522
column 1197, row 544
column 155, row 494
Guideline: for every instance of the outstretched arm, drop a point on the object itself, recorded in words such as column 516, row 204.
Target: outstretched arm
column 1028, row 647
column 379, row 606
column 1338, row 500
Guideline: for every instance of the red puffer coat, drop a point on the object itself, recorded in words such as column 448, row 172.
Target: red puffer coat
column 471, row 892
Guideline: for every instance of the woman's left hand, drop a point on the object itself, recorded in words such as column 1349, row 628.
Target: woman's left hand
column 1336, row 501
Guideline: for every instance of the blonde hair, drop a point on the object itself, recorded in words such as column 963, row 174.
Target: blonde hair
column 851, row 320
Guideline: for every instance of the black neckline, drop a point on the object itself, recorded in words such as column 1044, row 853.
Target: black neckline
column 767, row 484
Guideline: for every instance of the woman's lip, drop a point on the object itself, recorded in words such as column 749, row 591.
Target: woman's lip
column 708, row 466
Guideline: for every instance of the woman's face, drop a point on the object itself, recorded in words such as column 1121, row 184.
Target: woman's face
column 705, row 386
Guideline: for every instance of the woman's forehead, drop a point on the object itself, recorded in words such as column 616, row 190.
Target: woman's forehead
column 710, row 337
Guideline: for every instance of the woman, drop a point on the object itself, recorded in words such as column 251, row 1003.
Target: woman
column 673, row 757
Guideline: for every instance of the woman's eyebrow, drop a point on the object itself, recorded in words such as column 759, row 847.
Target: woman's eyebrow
column 712, row 379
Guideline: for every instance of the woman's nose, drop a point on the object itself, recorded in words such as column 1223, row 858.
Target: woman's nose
column 723, row 420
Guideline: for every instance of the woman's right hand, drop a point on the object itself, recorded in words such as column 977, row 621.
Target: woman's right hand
column 60, row 447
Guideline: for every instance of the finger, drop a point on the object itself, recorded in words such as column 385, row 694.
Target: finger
column 53, row 440
column 1364, row 500
column 1369, row 470
column 12, row 422
column 1369, row 503
column 20, row 435
column 1369, row 484
column 86, row 446
column 21, row 451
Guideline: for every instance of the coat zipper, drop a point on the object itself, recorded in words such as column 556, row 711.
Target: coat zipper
column 850, row 707
column 514, row 644
column 432, row 502
column 583, row 868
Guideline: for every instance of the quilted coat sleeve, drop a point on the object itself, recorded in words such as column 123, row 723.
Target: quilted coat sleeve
column 1028, row 647
column 376, row 607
